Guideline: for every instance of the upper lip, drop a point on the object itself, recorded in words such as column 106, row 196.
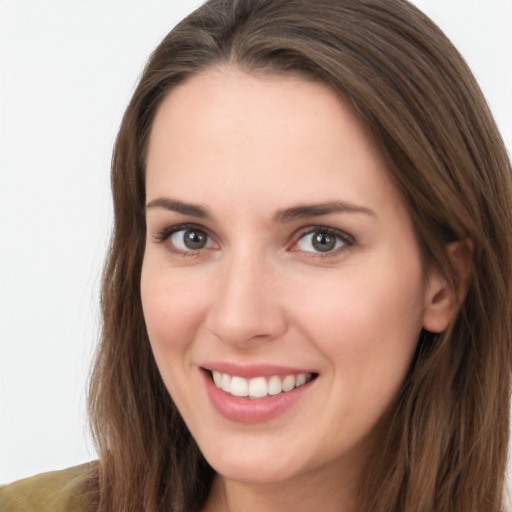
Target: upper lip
column 249, row 371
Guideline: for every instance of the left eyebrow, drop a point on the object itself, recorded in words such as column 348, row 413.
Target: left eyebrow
column 316, row 210
column 173, row 205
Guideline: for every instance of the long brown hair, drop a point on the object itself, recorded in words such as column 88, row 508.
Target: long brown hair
column 444, row 446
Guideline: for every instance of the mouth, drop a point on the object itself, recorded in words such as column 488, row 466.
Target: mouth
column 257, row 393
column 259, row 387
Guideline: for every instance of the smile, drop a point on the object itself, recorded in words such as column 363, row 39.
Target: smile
column 259, row 387
column 264, row 393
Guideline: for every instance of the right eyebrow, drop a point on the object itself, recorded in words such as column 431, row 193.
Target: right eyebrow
column 316, row 210
column 180, row 207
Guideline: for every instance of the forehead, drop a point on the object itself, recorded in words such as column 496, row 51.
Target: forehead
column 247, row 136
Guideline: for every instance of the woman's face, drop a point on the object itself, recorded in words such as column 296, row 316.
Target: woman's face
column 281, row 262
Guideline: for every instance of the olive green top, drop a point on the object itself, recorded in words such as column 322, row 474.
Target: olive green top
column 56, row 491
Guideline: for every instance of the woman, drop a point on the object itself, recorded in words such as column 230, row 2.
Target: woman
column 307, row 297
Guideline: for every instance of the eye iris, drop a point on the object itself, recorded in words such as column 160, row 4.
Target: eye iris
column 323, row 242
column 194, row 239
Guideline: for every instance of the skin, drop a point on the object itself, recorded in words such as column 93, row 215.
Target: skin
column 245, row 147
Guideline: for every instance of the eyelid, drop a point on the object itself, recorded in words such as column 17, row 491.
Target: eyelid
column 347, row 239
column 163, row 235
column 168, row 230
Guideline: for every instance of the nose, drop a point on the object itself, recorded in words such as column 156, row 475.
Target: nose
column 246, row 304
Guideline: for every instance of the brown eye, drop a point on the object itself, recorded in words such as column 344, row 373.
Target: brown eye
column 323, row 240
column 190, row 239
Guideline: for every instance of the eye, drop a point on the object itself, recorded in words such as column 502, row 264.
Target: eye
column 190, row 239
column 184, row 239
column 323, row 240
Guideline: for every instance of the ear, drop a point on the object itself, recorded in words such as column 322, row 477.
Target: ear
column 446, row 293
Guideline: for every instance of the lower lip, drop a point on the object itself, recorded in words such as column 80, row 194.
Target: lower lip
column 246, row 410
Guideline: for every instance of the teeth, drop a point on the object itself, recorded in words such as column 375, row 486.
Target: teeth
column 288, row 383
column 274, row 385
column 217, row 378
column 226, row 383
column 259, row 387
column 239, row 386
column 301, row 380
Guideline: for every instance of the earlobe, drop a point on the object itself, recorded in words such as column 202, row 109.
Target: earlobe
column 446, row 293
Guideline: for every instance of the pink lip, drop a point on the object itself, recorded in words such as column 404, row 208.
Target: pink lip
column 253, row 370
column 246, row 410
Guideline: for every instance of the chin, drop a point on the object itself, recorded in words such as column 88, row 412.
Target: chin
column 255, row 466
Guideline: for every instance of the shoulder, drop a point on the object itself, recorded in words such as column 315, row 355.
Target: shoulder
column 68, row 490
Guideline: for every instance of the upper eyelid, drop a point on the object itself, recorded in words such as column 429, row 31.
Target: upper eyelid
column 307, row 230
column 166, row 232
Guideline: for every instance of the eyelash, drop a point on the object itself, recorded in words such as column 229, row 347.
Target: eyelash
column 166, row 233
column 347, row 240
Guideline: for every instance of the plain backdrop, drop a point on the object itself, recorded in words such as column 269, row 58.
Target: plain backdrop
column 67, row 70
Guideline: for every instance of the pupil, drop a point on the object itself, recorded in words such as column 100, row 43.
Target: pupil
column 194, row 239
column 323, row 242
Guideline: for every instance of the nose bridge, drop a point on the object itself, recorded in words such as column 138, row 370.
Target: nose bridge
column 246, row 306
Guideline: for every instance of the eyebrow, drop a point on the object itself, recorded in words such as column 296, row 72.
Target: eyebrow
column 178, row 206
column 316, row 210
column 282, row 216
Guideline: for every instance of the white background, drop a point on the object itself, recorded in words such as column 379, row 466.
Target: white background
column 67, row 70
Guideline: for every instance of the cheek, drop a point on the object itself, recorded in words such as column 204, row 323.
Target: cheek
column 170, row 306
column 367, row 325
column 173, row 316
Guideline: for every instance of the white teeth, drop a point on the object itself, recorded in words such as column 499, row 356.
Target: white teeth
column 239, row 386
column 274, row 385
column 288, row 383
column 226, row 383
column 258, row 387
column 217, row 378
